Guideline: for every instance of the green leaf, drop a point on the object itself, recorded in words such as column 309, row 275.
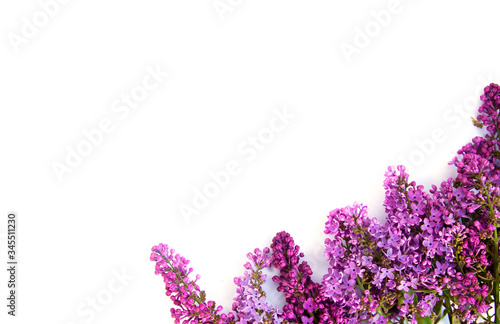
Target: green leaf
column 424, row 320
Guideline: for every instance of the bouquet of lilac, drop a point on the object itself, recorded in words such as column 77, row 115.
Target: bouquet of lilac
column 435, row 256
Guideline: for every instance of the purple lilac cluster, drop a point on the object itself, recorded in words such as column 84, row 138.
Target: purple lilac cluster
column 436, row 255
column 400, row 270
column 305, row 301
column 250, row 303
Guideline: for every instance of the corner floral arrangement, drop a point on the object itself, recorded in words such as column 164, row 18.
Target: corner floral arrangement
column 435, row 257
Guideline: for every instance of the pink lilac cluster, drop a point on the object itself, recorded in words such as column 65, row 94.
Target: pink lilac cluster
column 184, row 292
column 435, row 256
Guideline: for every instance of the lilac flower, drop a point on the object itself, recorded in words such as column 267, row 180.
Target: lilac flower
column 440, row 268
column 366, row 261
column 383, row 244
column 434, row 246
column 407, row 284
column 390, row 254
column 377, row 281
column 428, row 226
column 307, row 320
column 310, row 305
column 408, row 298
column 386, row 273
column 354, row 270
column 391, row 284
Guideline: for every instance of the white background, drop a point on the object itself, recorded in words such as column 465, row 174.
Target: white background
column 353, row 119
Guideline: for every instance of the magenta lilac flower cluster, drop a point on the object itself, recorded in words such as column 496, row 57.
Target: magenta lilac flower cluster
column 435, row 256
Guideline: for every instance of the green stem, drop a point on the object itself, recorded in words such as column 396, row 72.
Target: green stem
column 495, row 264
column 448, row 308
column 440, row 318
column 495, row 259
column 180, row 278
